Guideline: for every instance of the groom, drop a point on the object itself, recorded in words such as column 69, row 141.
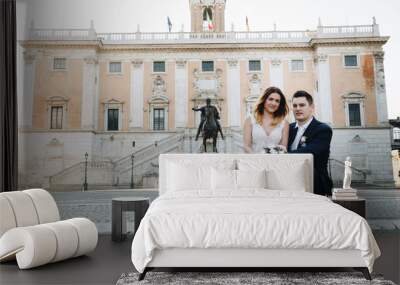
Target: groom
column 309, row 135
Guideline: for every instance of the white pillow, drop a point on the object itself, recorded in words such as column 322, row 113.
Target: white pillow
column 278, row 180
column 251, row 178
column 223, row 179
column 188, row 177
column 281, row 174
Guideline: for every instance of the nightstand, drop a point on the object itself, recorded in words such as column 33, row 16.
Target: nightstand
column 139, row 205
column 357, row 205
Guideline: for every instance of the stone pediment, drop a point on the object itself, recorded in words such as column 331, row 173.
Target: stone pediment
column 159, row 99
column 353, row 95
column 113, row 101
column 57, row 99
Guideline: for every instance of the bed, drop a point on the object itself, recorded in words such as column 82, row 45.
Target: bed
column 247, row 210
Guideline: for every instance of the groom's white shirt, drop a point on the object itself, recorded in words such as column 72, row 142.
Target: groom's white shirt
column 300, row 132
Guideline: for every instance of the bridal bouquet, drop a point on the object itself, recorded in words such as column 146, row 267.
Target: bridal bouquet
column 277, row 149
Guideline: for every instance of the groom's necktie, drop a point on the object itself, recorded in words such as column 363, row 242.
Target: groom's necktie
column 296, row 140
column 300, row 132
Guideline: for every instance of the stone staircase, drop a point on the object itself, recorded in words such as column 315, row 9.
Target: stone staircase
column 145, row 164
column 117, row 174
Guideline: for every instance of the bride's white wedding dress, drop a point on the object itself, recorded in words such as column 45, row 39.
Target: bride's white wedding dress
column 260, row 138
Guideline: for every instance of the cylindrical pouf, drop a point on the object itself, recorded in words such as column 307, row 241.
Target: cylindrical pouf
column 34, row 245
column 87, row 235
column 23, row 208
column 67, row 239
column 6, row 215
column 46, row 207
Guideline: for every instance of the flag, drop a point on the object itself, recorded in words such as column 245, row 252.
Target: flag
column 209, row 21
column 247, row 24
column 169, row 24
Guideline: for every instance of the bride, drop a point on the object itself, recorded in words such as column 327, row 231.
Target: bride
column 267, row 127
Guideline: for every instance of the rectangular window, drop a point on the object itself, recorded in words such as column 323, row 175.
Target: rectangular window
column 159, row 66
column 207, row 66
column 115, row 67
column 254, row 65
column 158, row 119
column 112, row 119
column 56, row 117
column 396, row 134
column 297, row 65
column 60, row 63
column 354, row 115
column 350, row 61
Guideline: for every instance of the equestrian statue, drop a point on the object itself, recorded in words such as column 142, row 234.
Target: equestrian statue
column 209, row 124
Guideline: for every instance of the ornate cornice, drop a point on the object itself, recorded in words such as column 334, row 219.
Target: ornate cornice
column 61, row 44
column 203, row 47
column 349, row 41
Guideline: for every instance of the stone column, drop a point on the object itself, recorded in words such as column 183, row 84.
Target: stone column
column 136, row 98
column 233, row 90
column 380, row 89
column 25, row 117
column 89, row 98
column 181, row 94
column 324, row 94
column 276, row 73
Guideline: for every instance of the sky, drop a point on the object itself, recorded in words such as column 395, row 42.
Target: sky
column 125, row 15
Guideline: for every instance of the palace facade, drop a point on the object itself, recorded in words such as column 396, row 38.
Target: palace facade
column 121, row 94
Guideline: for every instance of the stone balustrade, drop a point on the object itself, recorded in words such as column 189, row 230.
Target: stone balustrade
column 206, row 37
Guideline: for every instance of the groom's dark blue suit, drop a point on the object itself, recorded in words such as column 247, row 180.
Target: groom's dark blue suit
column 317, row 141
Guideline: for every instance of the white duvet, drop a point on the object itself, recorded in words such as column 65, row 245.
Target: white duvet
column 254, row 218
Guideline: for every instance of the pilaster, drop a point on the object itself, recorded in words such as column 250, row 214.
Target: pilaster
column 380, row 89
column 324, row 94
column 29, row 89
column 89, row 96
column 276, row 73
column 233, row 91
column 136, row 98
column 181, row 94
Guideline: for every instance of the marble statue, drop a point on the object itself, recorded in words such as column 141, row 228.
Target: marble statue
column 347, row 173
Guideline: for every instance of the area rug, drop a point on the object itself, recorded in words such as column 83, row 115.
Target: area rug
column 244, row 278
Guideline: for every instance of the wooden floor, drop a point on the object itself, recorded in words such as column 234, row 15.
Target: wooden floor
column 111, row 259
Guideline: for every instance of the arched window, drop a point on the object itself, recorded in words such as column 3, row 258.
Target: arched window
column 208, row 21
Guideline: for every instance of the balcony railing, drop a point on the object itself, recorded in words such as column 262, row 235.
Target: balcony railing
column 187, row 37
column 348, row 31
column 206, row 37
column 63, row 35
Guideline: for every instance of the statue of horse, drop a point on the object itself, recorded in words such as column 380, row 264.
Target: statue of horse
column 210, row 128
